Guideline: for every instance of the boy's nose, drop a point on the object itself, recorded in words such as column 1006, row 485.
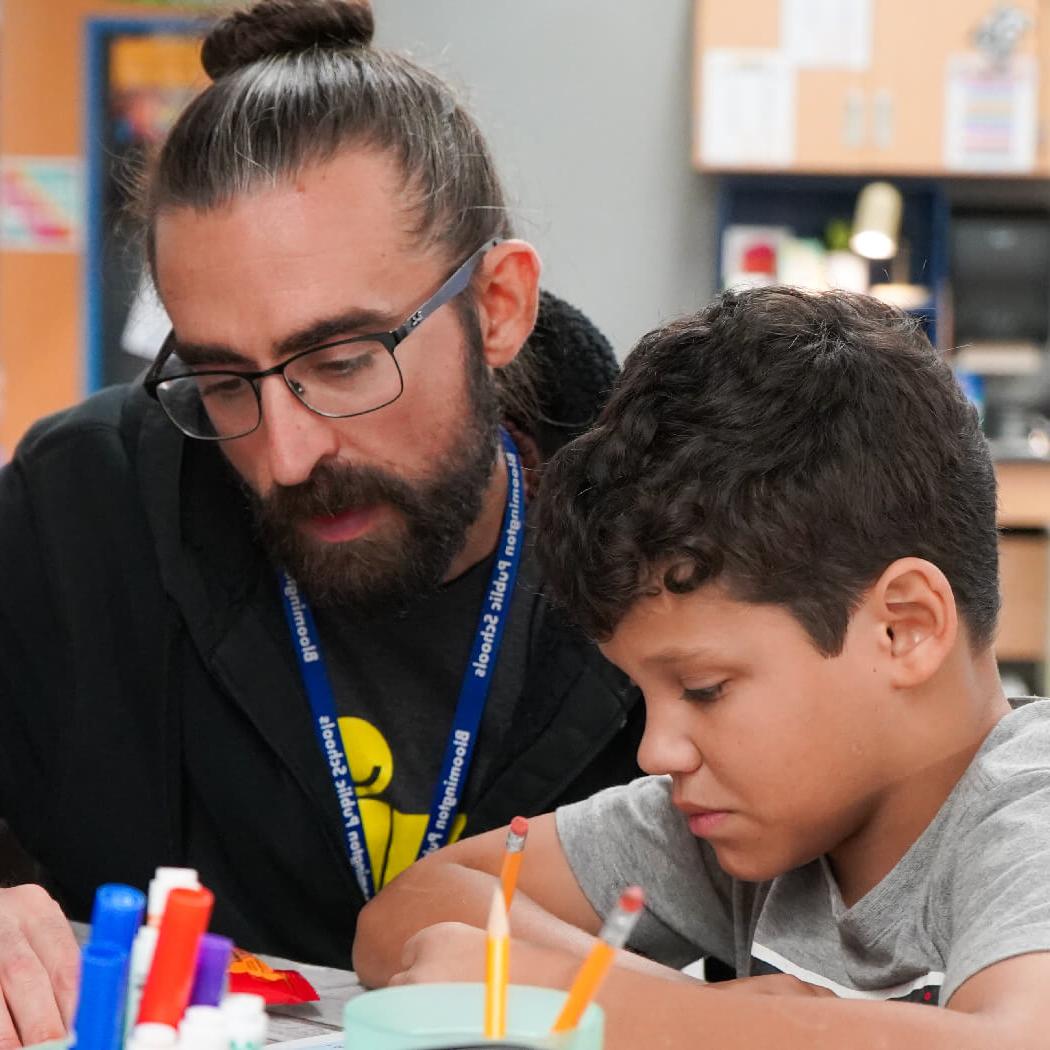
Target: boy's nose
column 666, row 746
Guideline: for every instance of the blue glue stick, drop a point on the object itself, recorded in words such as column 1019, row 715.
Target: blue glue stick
column 100, row 1010
column 117, row 915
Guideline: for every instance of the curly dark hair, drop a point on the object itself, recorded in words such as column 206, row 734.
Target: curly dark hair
column 788, row 444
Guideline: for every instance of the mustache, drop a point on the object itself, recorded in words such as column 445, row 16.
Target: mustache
column 333, row 488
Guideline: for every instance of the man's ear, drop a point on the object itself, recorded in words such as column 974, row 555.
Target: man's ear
column 914, row 607
column 507, row 292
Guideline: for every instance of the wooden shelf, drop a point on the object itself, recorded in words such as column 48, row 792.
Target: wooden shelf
column 1024, row 562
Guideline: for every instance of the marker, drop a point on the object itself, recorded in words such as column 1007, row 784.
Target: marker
column 99, row 1018
column 497, row 950
column 512, row 857
column 116, row 919
column 213, row 960
column 117, row 915
column 170, row 978
column 143, row 949
column 165, row 879
column 163, row 882
column 613, row 936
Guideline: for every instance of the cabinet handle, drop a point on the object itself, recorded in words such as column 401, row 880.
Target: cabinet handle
column 882, row 119
column 853, row 118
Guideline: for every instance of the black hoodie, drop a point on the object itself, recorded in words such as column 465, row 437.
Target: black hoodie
column 151, row 711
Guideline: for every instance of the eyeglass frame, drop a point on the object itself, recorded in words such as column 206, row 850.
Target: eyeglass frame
column 453, row 285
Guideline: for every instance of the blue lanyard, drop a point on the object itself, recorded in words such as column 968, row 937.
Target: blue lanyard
column 473, row 692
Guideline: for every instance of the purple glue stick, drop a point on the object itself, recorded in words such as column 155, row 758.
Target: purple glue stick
column 213, row 960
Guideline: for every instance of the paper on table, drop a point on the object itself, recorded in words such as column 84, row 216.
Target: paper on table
column 826, row 34
column 991, row 117
column 747, row 108
column 328, row 1041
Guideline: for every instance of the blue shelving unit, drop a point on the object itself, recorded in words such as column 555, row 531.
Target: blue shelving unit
column 807, row 203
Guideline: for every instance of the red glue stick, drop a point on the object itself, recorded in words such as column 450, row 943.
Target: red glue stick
column 170, row 978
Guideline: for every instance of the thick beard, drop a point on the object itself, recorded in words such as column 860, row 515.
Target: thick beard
column 382, row 575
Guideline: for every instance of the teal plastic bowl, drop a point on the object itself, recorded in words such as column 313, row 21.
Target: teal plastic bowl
column 425, row 1016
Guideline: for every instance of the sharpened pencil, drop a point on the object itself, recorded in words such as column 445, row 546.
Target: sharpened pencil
column 512, row 857
column 613, row 936
column 497, row 953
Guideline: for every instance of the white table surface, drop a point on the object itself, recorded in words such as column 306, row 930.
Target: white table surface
column 297, row 1022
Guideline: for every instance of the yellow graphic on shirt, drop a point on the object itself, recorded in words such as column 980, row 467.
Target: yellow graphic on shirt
column 393, row 838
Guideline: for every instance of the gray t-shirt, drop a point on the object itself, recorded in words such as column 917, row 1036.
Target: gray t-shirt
column 972, row 890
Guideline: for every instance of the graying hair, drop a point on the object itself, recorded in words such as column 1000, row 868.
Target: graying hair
column 265, row 122
column 295, row 82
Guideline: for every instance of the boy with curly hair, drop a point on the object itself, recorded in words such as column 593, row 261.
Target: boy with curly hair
column 783, row 529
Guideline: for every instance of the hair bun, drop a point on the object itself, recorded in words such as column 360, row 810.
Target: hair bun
column 279, row 27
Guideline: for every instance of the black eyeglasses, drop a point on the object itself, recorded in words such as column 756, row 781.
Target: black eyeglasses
column 349, row 377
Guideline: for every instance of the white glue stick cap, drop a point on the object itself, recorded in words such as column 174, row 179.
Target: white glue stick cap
column 203, row 1028
column 163, row 882
column 246, row 1020
column 152, row 1036
column 244, row 1005
column 200, row 1012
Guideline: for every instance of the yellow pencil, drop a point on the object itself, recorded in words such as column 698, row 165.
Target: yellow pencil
column 496, row 964
column 508, row 876
column 614, row 935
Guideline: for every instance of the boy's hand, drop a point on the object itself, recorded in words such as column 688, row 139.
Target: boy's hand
column 446, row 951
column 454, row 951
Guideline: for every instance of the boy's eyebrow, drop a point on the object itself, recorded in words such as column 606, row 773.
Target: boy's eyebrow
column 675, row 654
column 353, row 322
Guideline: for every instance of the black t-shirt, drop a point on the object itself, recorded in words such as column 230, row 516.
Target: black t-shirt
column 396, row 682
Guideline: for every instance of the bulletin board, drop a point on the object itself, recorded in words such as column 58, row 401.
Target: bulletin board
column 140, row 75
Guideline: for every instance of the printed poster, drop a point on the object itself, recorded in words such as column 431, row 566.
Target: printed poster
column 991, row 114
column 41, row 204
column 747, row 109
column 827, row 34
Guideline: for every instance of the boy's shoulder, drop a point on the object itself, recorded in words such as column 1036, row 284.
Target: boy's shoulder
column 997, row 810
column 1015, row 754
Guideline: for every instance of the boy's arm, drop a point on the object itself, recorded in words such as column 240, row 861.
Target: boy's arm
column 1004, row 1006
column 456, row 884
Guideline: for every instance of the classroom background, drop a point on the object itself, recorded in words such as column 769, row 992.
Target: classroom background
column 654, row 152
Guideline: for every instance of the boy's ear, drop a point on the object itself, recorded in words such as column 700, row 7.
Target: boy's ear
column 507, row 297
column 914, row 605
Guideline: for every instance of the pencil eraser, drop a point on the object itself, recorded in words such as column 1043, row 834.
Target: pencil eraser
column 632, row 899
column 520, row 826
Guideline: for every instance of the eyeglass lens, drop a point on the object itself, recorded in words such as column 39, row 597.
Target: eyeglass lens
column 346, row 379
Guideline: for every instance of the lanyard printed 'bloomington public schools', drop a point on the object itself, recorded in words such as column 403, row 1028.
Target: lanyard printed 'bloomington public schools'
column 473, row 692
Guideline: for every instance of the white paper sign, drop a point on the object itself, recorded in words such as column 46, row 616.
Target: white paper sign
column 991, row 114
column 827, row 34
column 747, row 109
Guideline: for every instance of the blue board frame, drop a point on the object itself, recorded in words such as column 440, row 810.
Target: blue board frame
column 99, row 33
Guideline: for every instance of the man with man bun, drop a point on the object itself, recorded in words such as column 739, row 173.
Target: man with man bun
column 273, row 612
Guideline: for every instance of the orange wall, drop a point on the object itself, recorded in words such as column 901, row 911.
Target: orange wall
column 41, row 102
